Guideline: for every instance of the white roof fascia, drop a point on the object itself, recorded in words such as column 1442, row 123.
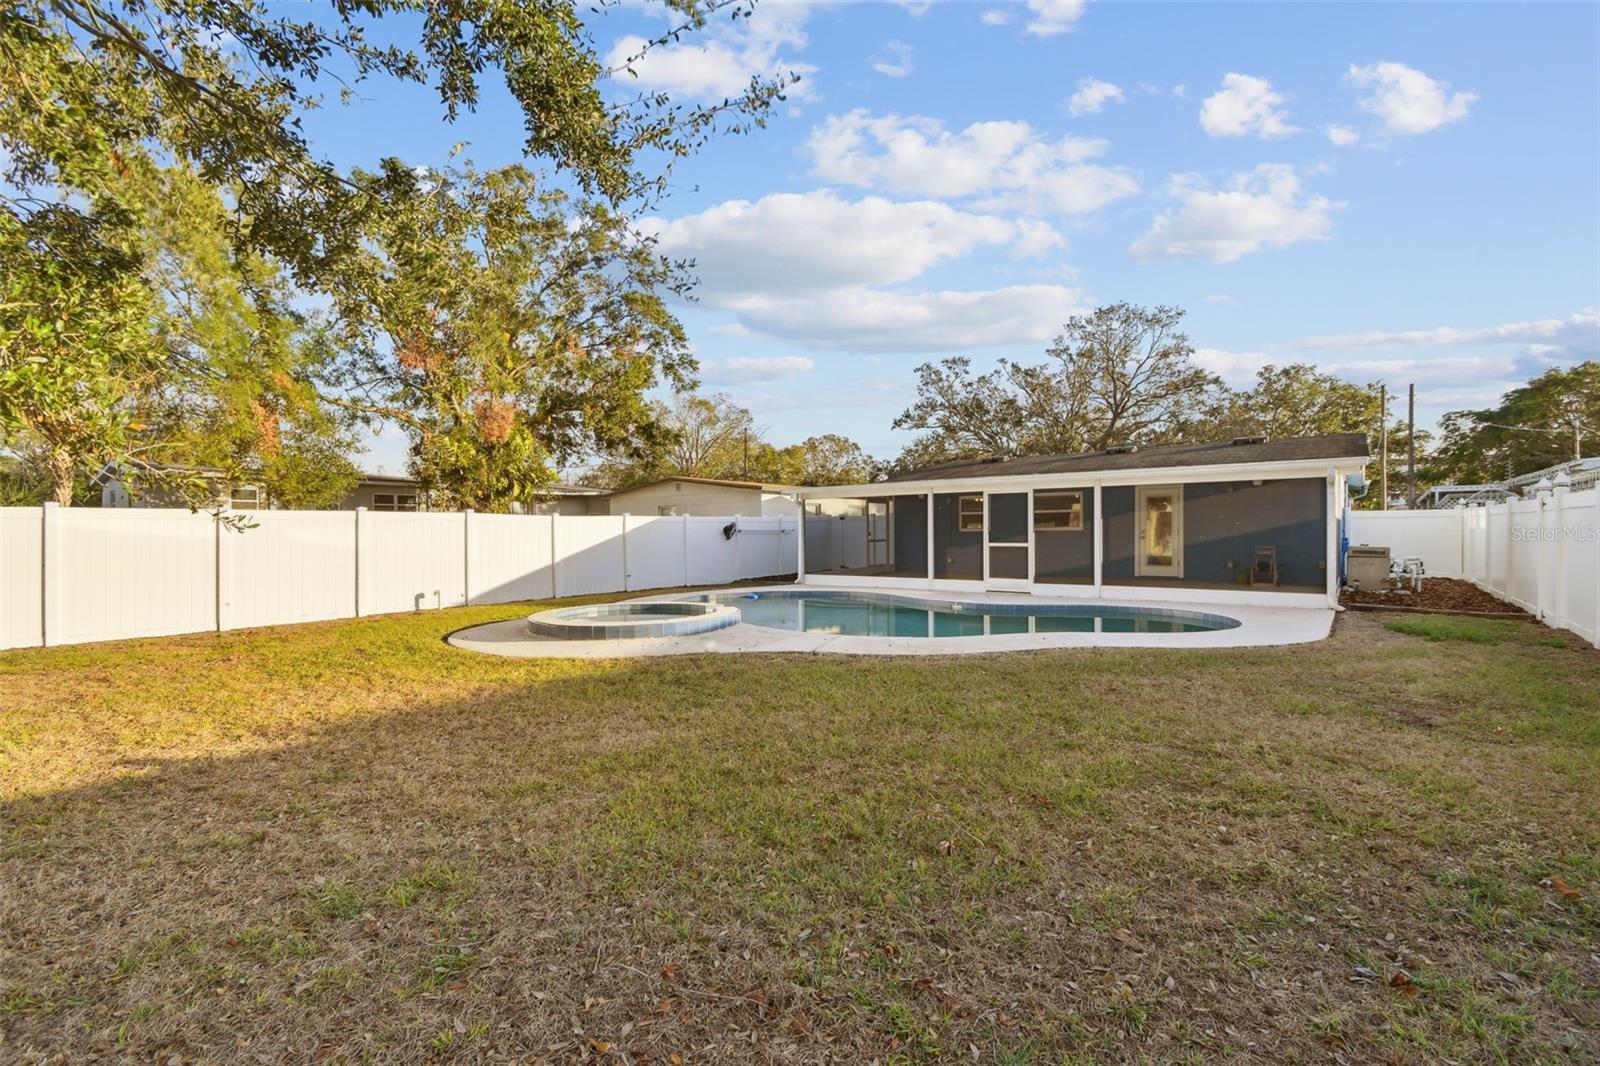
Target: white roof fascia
column 1175, row 475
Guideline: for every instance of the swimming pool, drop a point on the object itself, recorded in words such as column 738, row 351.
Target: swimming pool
column 877, row 614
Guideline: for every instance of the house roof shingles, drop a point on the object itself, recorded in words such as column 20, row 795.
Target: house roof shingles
column 1289, row 449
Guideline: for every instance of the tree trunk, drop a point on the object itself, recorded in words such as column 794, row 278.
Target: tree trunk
column 62, row 467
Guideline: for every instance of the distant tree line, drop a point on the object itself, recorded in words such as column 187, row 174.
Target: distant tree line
column 1127, row 375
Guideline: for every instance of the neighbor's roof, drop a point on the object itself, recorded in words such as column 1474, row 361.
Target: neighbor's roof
column 764, row 486
column 1226, row 453
column 556, row 488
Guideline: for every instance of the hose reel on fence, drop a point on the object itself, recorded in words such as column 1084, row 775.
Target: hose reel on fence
column 729, row 530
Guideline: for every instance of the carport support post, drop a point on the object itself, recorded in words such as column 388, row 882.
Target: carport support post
column 1099, row 543
column 930, row 540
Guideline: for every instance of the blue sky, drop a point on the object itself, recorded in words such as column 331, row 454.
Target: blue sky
column 1397, row 192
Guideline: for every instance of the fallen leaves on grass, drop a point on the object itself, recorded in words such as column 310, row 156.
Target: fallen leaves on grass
column 1565, row 890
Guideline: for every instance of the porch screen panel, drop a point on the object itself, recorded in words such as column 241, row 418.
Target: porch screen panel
column 908, row 536
column 957, row 538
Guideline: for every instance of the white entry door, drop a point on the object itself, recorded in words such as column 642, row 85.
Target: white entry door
column 1158, row 551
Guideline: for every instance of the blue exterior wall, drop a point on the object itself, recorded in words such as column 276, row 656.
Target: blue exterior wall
column 957, row 555
column 1119, row 532
column 1066, row 555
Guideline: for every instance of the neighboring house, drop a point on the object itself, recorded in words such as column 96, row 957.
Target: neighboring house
column 704, row 496
column 1247, row 520
column 394, row 492
column 386, row 492
column 112, row 481
column 375, row 492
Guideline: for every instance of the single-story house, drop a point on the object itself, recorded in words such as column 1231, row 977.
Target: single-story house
column 704, row 496
column 1249, row 520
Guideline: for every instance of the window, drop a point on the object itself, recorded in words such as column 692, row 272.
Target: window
column 970, row 510
column 667, row 509
column 246, row 498
column 1058, row 511
column 392, row 501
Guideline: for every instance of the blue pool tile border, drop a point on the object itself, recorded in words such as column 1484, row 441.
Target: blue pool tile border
column 974, row 607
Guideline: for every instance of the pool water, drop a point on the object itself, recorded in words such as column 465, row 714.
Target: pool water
column 859, row 614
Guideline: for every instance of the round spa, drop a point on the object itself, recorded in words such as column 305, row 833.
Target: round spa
column 632, row 621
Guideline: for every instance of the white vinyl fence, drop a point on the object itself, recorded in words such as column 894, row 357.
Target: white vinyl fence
column 73, row 575
column 1542, row 554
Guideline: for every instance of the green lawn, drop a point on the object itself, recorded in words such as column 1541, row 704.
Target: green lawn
column 351, row 842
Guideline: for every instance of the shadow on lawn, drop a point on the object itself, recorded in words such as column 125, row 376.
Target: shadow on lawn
column 737, row 860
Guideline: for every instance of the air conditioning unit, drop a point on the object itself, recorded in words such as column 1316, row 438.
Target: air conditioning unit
column 1367, row 568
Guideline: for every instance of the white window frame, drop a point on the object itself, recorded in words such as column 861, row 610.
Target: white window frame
column 255, row 501
column 1074, row 513
column 394, row 501
column 963, row 515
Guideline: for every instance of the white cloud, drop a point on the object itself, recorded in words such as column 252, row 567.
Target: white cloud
column 1009, row 162
column 730, row 329
column 1047, row 18
column 1579, row 331
column 861, row 319
column 915, row 8
column 1261, row 208
column 1092, row 96
column 893, row 61
column 818, row 240
column 1237, row 369
column 1219, row 298
column 995, row 16
column 1407, row 100
column 718, row 62
column 1244, row 105
column 754, row 370
column 1341, row 136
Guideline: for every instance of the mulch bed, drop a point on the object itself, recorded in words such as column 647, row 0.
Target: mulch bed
column 1439, row 595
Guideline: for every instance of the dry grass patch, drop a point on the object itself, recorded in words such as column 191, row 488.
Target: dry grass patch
column 349, row 842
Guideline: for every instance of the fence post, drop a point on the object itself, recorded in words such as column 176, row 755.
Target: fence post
column 683, row 525
column 49, row 567
column 1595, row 540
column 1541, row 570
column 1558, row 566
column 736, row 535
column 466, row 557
column 800, row 547
column 224, row 565
column 361, row 559
column 555, row 560
column 625, row 551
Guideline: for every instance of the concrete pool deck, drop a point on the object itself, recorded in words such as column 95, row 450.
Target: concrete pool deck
column 1258, row 627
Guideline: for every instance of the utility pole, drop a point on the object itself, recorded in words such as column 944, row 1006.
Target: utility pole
column 1411, row 440
column 1383, row 448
